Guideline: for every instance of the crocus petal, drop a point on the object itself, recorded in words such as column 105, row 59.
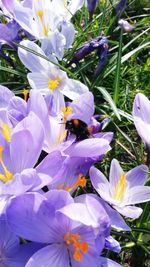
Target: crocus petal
column 137, row 176
column 143, row 129
column 78, row 212
column 27, row 140
column 83, row 108
column 38, row 81
column 20, row 183
column 141, row 111
column 97, row 212
column 5, row 96
column 91, row 6
column 74, row 88
column 8, row 240
column 100, row 183
column 141, row 107
column 50, row 165
column 24, row 17
column 138, row 194
column 112, row 244
column 129, row 211
column 68, row 31
column 91, row 147
column 74, row 6
column 17, row 110
column 32, row 62
column 115, row 174
column 23, row 254
column 26, row 210
column 53, row 255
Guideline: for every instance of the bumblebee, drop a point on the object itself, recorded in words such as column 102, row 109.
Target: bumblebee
column 78, row 128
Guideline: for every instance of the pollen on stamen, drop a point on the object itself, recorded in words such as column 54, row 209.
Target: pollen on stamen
column 6, row 131
column 25, row 94
column 54, row 83
column 80, row 248
column 120, row 188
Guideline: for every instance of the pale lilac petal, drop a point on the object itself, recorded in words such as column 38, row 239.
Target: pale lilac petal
column 28, row 210
column 141, row 108
column 38, row 81
column 137, row 176
column 74, row 88
column 51, row 164
column 97, row 212
column 129, row 211
column 83, row 108
column 68, row 31
column 115, row 174
column 138, row 194
column 143, row 129
column 24, row 17
column 17, row 110
column 27, row 140
column 92, row 147
column 25, row 251
column 112, row 244
column 74, row 6
column 5, row 96
column 78, row 212
column 8, row 240
column 100, row 183
column 21, row 183
column 51, row 256
column 32, row 62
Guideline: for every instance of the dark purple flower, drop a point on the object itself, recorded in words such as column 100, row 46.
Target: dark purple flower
column 101, row 45
column 91, row 6
column 121, row 7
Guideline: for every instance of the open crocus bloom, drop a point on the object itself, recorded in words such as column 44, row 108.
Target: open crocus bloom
column 68, row 240
column 46, row 77
column 141, row 111
column 123, row 190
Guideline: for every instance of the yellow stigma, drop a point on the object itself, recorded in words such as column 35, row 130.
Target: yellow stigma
column 6, row 131
column 81, row 181
column 80, row 248
column 120, row 188
column 40, row 14
column 65, row 3
column 66, row 111
column 8, row 175
column 25, row 94
column 54, row 83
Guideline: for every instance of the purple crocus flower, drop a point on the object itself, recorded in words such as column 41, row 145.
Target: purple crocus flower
column 101, row 45
column 122, row 191
column 121, row 7
column 91, row 6
column 12, row 253
column 68, row 240
column 9, row 34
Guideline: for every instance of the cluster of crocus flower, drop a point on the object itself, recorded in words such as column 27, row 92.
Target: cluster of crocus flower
column 48, row 146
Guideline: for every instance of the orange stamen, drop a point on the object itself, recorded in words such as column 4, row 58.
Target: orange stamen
column 74, row 240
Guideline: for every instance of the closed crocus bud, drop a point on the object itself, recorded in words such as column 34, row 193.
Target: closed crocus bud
column 126, row 26
column 121, row 7
column 91, row 6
